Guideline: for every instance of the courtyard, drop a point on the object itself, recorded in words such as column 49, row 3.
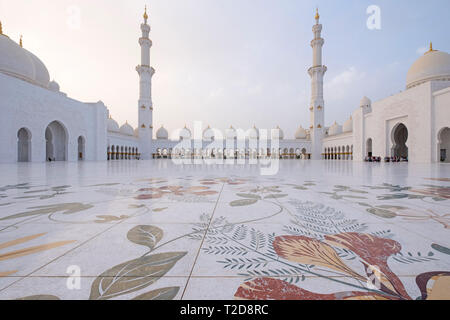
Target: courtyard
column 156, row 230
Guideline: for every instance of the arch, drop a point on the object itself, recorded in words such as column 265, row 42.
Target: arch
column 399, row 138
column 81, row 148
column 56, row 142
column 369, row 151
column 444, row 145
column 23, row 145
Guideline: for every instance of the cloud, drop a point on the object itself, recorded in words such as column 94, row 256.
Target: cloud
column 420, row 51
column 344, row 83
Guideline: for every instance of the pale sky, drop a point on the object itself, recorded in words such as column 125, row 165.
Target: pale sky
column 223, row 62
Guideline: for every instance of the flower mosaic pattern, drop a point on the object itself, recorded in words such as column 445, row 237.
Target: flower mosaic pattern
column 277, row 237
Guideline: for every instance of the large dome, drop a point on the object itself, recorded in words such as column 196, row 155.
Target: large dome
column 300, row 133
column 433, row 65
column 113, row 126
column 127, row 130
column 162, row 134
column 20, row 63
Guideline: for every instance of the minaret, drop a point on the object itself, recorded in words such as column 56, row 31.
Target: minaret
column 145, row 92
column 317, row 71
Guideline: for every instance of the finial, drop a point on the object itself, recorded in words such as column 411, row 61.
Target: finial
column 317, row 17
column 20, row 42
column 145, row 14
column 1, row 28
column 431, row 47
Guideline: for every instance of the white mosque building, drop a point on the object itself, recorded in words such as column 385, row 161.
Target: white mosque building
column 38, row 122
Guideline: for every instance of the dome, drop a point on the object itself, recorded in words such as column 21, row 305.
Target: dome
column 127, row 130
column 113, row 126
column 278, row 135
column 54, row 86
column 208, row 134
column 230, row 133
column 185, row 133
column 20, row 63
column 335, row 129
column 365, row 102
column 348, row 125
column 253, row 133
column 433, row 65
column 300, row 133
column 162, row 134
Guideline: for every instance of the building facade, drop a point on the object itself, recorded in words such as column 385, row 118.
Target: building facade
column 40, row 123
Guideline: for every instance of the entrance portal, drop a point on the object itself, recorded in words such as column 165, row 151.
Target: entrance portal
column 399, row 137
column 24, row 145
column 56, row 142
column 444, row 145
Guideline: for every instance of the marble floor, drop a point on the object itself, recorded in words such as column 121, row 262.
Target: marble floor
column 156, row 230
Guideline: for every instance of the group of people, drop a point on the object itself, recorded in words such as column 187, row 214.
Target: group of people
column 386, row 159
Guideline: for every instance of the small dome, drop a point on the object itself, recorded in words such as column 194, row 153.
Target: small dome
column 20, row 63
column 185, row 133
column 365, row 102
column 433, row 65
column 278, row 134
column 113, row 126
column 127, row 130
column 162, row 134
column 300, row 133
column 253, row 133
column 335, row 129
column 348, row 125
column 53, row 86
column 230, row 133
column 208, row 134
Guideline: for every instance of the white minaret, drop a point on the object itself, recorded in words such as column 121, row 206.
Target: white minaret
column 145, row 92
column 317, row 71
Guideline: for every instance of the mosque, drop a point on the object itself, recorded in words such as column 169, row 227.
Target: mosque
column 39, row 122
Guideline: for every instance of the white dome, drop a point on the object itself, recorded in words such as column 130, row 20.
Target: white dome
column 54, row 86
column 253, row 133
column 208, row 134
column 127, row 130
column 278, row 135
column 300, row 133
column 433, row 65
column 348, row 125
column 230, row 133
column 365, row 102
column 185, row 133
column 335, row 129
column 20, row 63
column 162, row 134
column 113, row 126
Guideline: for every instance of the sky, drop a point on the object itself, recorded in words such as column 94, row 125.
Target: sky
column 227, row 62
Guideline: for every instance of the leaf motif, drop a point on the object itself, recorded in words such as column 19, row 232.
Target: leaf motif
column 133, row 275
column 243, row 202
column 31, row 250
column 144, row 235
column 6, row 273
column 305, row 250
column 249, row 196
column 440, row 248
column 159, row 294
column 159, row 209
column 40, row 297
column 275, row 289
column 64, row 208
column 275, row 196
column 383, row 213
column 107, row 218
